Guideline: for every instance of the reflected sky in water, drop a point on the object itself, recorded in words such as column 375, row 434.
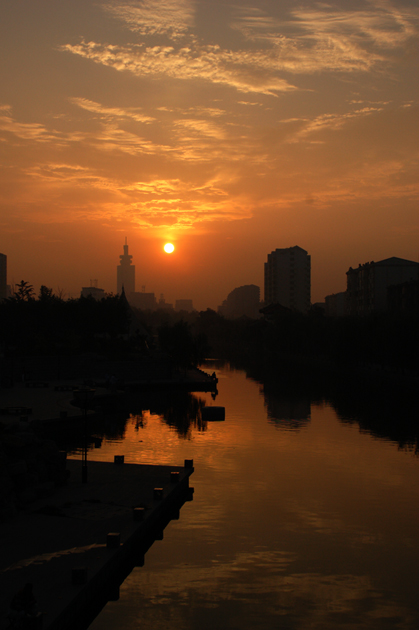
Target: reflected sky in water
column 299, row 520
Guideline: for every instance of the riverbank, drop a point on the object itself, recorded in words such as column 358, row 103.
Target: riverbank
column 31, row 465
column 78, row 545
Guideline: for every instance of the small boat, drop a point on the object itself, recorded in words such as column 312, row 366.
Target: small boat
column 213, row 414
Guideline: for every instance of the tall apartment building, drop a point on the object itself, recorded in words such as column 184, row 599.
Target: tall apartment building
column 367, row 286
column 125, row 273
column 288, row 279
column 3, row 276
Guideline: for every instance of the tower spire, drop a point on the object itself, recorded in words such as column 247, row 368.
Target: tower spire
column 126, row 273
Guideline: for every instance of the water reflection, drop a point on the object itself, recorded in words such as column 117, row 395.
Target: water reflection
column 383, row 406
column 289, row 414
column 181, row 411
column 313, row 527
column 392, row 416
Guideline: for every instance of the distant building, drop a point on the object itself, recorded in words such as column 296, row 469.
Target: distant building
column 403, row 299
column 275, row 312
column 163, row 304
column 318, row 308
column 143, row 301
column 335, row 304
column 367, row 286
column 3, row 277
column 184, row 305
column 93, row 292
column 242, row 302
column 125, row 273
column 288, row 279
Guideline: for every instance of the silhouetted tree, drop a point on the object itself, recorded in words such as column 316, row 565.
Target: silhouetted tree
column 46, row 294
column 24, row 292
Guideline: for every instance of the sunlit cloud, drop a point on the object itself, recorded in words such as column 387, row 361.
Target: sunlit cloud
column 182, row 205
column 325, row 38
column 329, row 122
column 312, row 40
column 26, row 131
column 173, row 17
column 381, row 23
column 201, row 127
column 133, row 113
column 244, row 71
column 213, row 112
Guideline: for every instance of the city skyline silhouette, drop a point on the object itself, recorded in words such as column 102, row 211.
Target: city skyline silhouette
column 228, row 131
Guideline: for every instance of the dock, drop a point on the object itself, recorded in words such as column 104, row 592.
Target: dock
column 77, row 546
column 49, row 401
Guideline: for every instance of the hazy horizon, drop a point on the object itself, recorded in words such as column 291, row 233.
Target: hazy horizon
column 230, row 130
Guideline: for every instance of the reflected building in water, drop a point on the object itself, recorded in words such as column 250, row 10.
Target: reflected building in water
column 289, row 413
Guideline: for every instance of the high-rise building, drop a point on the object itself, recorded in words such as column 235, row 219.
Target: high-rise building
column 368, row 284
column 288, row 279
column 3, row 276
column 125, row 273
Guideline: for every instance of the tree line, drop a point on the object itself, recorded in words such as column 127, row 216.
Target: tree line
column 47, row 324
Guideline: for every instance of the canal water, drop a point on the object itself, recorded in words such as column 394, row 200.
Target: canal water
column 305, row 514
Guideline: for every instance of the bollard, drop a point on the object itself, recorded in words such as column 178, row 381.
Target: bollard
column 188, row 463
column 158, row 493
column 174, row 476
column 113, row 540
column 118, row 460
column 138, row 514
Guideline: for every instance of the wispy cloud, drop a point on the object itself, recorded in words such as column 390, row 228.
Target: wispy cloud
column 245, row 71
column 322, row 38
column 201, row 127
column 181, row 204
column 25, row 131
column 327, row 122
column 173, row 17
column 133, row 113
column 329, row 38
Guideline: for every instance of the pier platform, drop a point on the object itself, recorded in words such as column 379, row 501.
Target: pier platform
column 77, row 546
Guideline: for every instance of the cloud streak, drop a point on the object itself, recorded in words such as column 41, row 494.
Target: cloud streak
column 325, row 38
column 171, row 17
column 133, row 113
column 239, row 70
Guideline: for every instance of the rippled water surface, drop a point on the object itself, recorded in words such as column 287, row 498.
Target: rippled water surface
column 299, row 520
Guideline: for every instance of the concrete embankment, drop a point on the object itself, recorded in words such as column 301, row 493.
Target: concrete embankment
column 78, row 545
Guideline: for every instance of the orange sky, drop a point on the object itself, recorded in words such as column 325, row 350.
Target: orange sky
column 229, row 128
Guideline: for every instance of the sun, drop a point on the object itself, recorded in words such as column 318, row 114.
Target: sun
column 169, row 248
